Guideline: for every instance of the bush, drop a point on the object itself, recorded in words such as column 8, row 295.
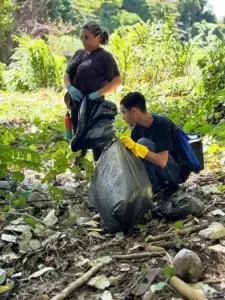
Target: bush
column 150, row 53
column 33, row 66
column 178, row 78
column 7, row 9
column 2, row 69
column 65, row 45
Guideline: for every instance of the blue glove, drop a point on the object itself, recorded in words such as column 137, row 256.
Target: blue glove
column 94, row 96
column 75, row 93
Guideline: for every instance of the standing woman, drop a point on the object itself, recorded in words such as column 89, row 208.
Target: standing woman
column 92, row 72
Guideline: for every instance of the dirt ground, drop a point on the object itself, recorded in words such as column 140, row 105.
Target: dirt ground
column 71, row 246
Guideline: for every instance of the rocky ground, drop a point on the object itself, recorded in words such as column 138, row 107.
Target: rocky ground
column 57, row 244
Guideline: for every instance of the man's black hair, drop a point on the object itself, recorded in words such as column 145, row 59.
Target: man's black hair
column 134, row 99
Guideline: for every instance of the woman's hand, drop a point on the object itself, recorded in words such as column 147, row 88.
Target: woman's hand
column 94, row 96
column 74, row 93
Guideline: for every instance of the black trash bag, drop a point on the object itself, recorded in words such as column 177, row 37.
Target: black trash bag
column 95, row 125
column 120, row 189
column 180, row 205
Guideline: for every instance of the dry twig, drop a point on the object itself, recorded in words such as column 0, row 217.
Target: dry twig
column 79, row 282
column 108, row 245
column 138, row 255
column 184, row 232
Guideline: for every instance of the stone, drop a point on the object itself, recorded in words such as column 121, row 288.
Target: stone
column 39, row 200
column 214, row 232
column 216, row 212
column 17, row 228
column 9, row 238
column 106, row 296
column 100, row 282
column 188, row 265
column 34, row 244
column 9, row 257
column 217, row 248
column 51, row 219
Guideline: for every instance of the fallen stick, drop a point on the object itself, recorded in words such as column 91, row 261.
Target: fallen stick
column 169, row 244
column 138, row 255
column 165, row 236
column 108, row 245
column 79, row 282
column 185, row 290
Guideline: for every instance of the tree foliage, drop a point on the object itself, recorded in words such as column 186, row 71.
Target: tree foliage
column 33, row 66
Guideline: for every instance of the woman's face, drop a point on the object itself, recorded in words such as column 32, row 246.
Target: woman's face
column 90, row 42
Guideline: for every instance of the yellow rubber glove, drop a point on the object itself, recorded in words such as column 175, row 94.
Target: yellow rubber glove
column 137, row 149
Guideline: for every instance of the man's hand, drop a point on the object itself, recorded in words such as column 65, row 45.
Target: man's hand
column 74, row 93
column 137, row 149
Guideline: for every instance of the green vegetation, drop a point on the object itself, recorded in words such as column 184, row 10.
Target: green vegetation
column 172, row 52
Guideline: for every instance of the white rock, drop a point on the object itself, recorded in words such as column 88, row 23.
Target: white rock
column 217, row 212
column 18, row 221
column 100, row 282
column 9, row 238
column 51, row 219
column 17, row 228
column 106, row 296
column 214, row 232
column 217, row 248
column 34, row 244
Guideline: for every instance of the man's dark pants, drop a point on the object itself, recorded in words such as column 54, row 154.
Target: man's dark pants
column 161, row 178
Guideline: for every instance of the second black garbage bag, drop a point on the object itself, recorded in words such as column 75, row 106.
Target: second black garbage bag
column 120, row 189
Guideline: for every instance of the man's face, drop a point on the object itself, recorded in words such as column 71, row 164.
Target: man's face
column 129, row 115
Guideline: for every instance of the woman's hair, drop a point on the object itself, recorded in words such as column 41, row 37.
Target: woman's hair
column 95, row 29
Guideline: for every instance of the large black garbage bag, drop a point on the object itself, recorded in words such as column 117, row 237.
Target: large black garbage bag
column 95, row 125
column 120, row 189
column 180, row 205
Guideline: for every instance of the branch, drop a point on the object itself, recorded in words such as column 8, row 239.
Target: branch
column 165, row 236
column 79, row 282
column 138, row 255
column 108, row 245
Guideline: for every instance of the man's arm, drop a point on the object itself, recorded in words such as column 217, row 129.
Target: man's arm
column 160, row 159
column 142, row 151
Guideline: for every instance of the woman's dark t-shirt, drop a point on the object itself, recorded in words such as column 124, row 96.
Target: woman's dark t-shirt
column 91, row 72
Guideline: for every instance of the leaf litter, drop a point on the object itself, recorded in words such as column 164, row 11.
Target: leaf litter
column 61, row 249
